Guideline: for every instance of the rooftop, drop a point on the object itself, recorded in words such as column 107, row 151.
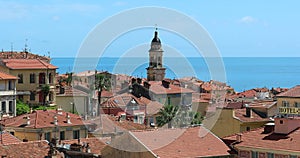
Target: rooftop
column 5, row 76
column 7, row 138
column 157, row 88
column 271, row 141
column 42, row 119
column 182, row 142
column 293, row 92
column 27, row 64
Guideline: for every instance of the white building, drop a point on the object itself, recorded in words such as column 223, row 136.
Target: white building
column 7, row 95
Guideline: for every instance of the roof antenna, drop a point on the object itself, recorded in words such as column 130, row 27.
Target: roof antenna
column 48, row 54
column 25, row 49
column 12, row 46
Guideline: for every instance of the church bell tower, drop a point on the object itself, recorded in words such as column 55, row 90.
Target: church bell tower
column 155, row 71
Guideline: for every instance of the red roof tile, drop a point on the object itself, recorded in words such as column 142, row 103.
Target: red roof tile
column 271, row 141
column 32, row 149
column 5, row 76
column 293, row 92
column 27, row 64
column 70, row 91
column 189, row 142
column 22, row 55
column 42, row 119
column 95, row 144
column 241, row 115
column 7, row 138
column 157, row 88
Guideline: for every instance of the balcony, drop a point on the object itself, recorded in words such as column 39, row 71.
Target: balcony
column 8, row 92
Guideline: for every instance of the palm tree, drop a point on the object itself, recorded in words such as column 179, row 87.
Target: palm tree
column 166, row 114
column 101, row 83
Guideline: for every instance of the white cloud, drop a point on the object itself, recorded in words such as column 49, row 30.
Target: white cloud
column 248, row 20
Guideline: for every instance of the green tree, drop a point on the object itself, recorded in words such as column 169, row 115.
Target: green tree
column 101, row 83
column 22, row 108
column 196, row 118
column 166, row 114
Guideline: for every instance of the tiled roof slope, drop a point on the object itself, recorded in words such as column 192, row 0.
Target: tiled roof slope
column 27, row 64
column 157, row 88
column 293, row 92
column 5, row 76
column 272, row 141
column 22, row 55
column 42, row 119
column 33, row 149
column 189, row 142
column 7, row 138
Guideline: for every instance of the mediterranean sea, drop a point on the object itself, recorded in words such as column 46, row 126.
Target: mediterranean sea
column 241, row 73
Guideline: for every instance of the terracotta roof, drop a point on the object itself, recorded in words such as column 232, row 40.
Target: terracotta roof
column 110, row 124
column 104, row 94
column 42, row 119
column 85, row 73
column 201, row 97
column 187, row 142
column 271, row 141
column 248, row 93
column 235, row 105
column 121, row 100
column 21, row 55
column 293, row 92
column 95, row 144
column 157, row 88
column 27, row 64
column 70, row 91
column 262, row 104
column 7, row 138
column 32, row 149
column 241, row 115
column 5, row 76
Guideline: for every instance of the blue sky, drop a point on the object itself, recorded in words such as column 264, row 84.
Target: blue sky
column 239, row 28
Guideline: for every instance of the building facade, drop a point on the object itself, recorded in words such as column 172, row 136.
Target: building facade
column 33, row 75
column 7, row 95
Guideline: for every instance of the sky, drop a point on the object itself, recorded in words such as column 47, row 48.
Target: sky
column 251, row 28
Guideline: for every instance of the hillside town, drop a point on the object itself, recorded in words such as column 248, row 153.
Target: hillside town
column 98, row 114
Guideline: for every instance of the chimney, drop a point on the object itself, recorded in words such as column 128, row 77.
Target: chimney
column 133, row 80
column 27, row 120
column 147, row 85
column 269, row 127
column 139, row 80
column 248, row 112
column 238, row 137
column 68, row 119
column 55, row 120
column 165, row 83
column 59, row 110
column 61, row 90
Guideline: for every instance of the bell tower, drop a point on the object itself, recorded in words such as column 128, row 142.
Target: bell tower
column 155, row 71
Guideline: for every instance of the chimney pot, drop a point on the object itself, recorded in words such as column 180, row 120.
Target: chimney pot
column 239, row 137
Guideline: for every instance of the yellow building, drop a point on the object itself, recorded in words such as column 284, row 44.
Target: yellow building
column 45, row 125
column 32, row 75
column 290, row 98
column 228, row 121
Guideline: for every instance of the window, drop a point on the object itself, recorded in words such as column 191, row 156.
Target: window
column 293, row 156
column 62, row 135
column 32, row 96
column 10, row 87
column 247, row 128
column 3, row 106
column 270, row 155
column 169, row 100
column 76, row 134
column 254, row 154
column 285, row 104
column 20, row 97
column 297, row 104
column 10, row 106
column 281, row 121
column 50, row 78
column 48, row 136
column 20, row 80
column 32, row 78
